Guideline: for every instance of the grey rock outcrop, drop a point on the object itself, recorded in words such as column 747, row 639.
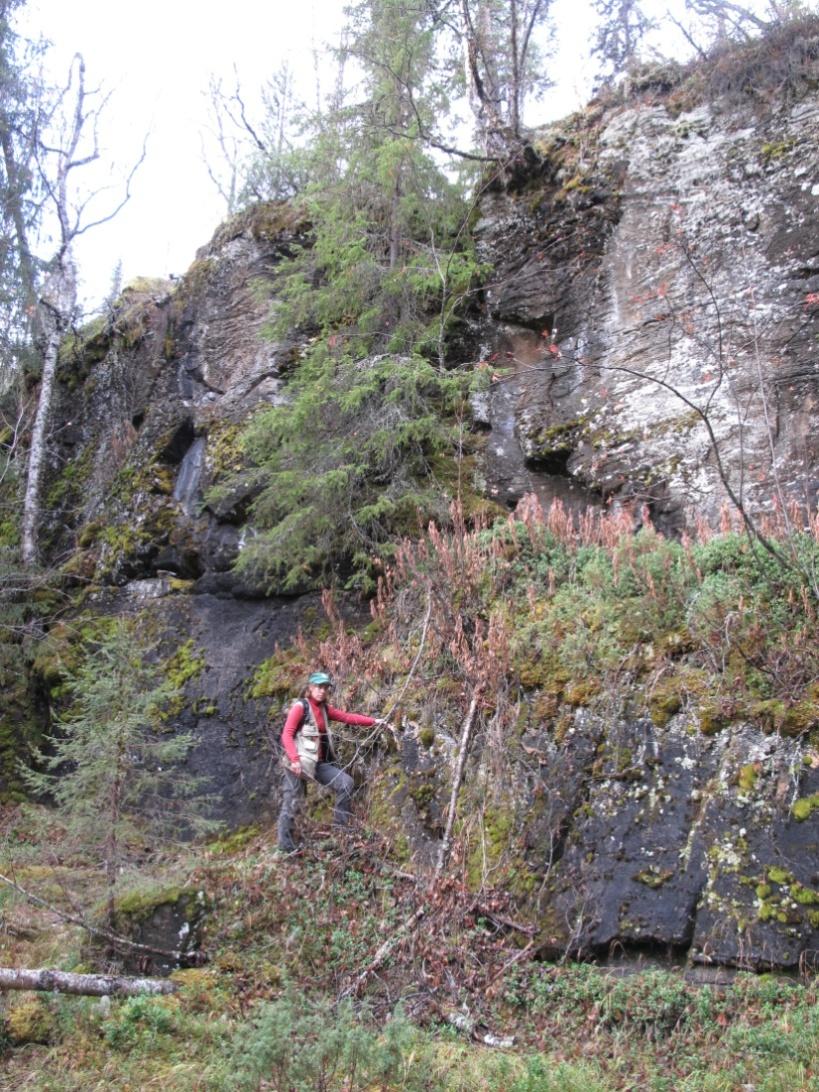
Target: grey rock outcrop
column 654, row 295
column 151, row 406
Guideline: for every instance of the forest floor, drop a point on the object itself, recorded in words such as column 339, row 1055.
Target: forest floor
column 335, row 969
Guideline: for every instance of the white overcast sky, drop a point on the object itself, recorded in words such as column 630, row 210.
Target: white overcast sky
column 156, row 58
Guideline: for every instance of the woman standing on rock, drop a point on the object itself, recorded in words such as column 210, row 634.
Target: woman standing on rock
column 309, row 753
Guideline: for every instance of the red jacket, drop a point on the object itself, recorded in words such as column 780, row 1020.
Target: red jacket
column 296, row 716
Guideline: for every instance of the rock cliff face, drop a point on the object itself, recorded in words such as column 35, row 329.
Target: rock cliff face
column 148, row 415
column 652, row 313
column 150, row 408
column 654, row 292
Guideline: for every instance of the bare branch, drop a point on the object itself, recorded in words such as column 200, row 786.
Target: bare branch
column 56, row 300
column 81, row 229
column 116, row 941
column 457, row 779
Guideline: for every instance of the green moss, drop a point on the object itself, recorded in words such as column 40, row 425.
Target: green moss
column 185, row 664
column 804, row 808
column 544, row 673
column 82, row 565
column 80, row 350
column 233, row 842
column 557, row 438
column 747, row 778
column 140, row 904
column 665, row 700
column 800, row 718
column 136, row 906
column 192, row 285
column 426, row 737
column 280, row 676
column 144, row 286
column 654, row 876
column 9, row 533
column 768, row 714
column 134, row 309
column 384, row 798
column 205, row 989
column 422, row 791
column 265, row 222
column 776, row 149
column 151, row 477
column 224, row 451
column 779, row 875
column 581, row 692
column 70, row 481
column 55, row 653
column 712, row 717
column 122, row 540
column 784, row 906
column 30, row 1021
column 490, row 845
column 805, row 896
column 89, row 533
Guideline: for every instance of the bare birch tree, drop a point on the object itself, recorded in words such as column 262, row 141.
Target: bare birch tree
column 74, row 125
column 502, row 65
column 252, row 158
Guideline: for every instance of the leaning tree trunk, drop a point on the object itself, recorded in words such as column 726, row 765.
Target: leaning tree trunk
column 94, row 985
column 32, row 502
column 457, row 779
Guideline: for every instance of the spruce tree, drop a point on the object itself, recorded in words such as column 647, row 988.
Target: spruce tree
column 113, row 765
column 21, row 104
column 348, row 463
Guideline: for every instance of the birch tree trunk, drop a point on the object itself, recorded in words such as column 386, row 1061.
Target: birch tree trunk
column 56, row 305
column 57, row 302
column 93, row 985
column 39, row 436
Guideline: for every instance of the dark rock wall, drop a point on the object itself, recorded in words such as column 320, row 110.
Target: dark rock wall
column 148, row 416
column 235, row 754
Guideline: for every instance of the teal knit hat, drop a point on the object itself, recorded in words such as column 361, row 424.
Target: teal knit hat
column 319, row 678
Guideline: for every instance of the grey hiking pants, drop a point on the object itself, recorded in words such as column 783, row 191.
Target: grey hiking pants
column 293, row 790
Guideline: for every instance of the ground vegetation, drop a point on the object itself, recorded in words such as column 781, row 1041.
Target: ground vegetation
column 287, row 936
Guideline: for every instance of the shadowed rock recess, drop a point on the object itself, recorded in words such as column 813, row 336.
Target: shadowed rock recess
column 651, row 310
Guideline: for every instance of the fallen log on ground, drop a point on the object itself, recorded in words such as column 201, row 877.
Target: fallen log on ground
column 93, row 985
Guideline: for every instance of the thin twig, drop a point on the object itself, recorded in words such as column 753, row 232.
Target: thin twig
column 73, row 919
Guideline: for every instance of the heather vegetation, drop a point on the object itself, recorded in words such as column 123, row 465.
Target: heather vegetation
column 572, row 612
